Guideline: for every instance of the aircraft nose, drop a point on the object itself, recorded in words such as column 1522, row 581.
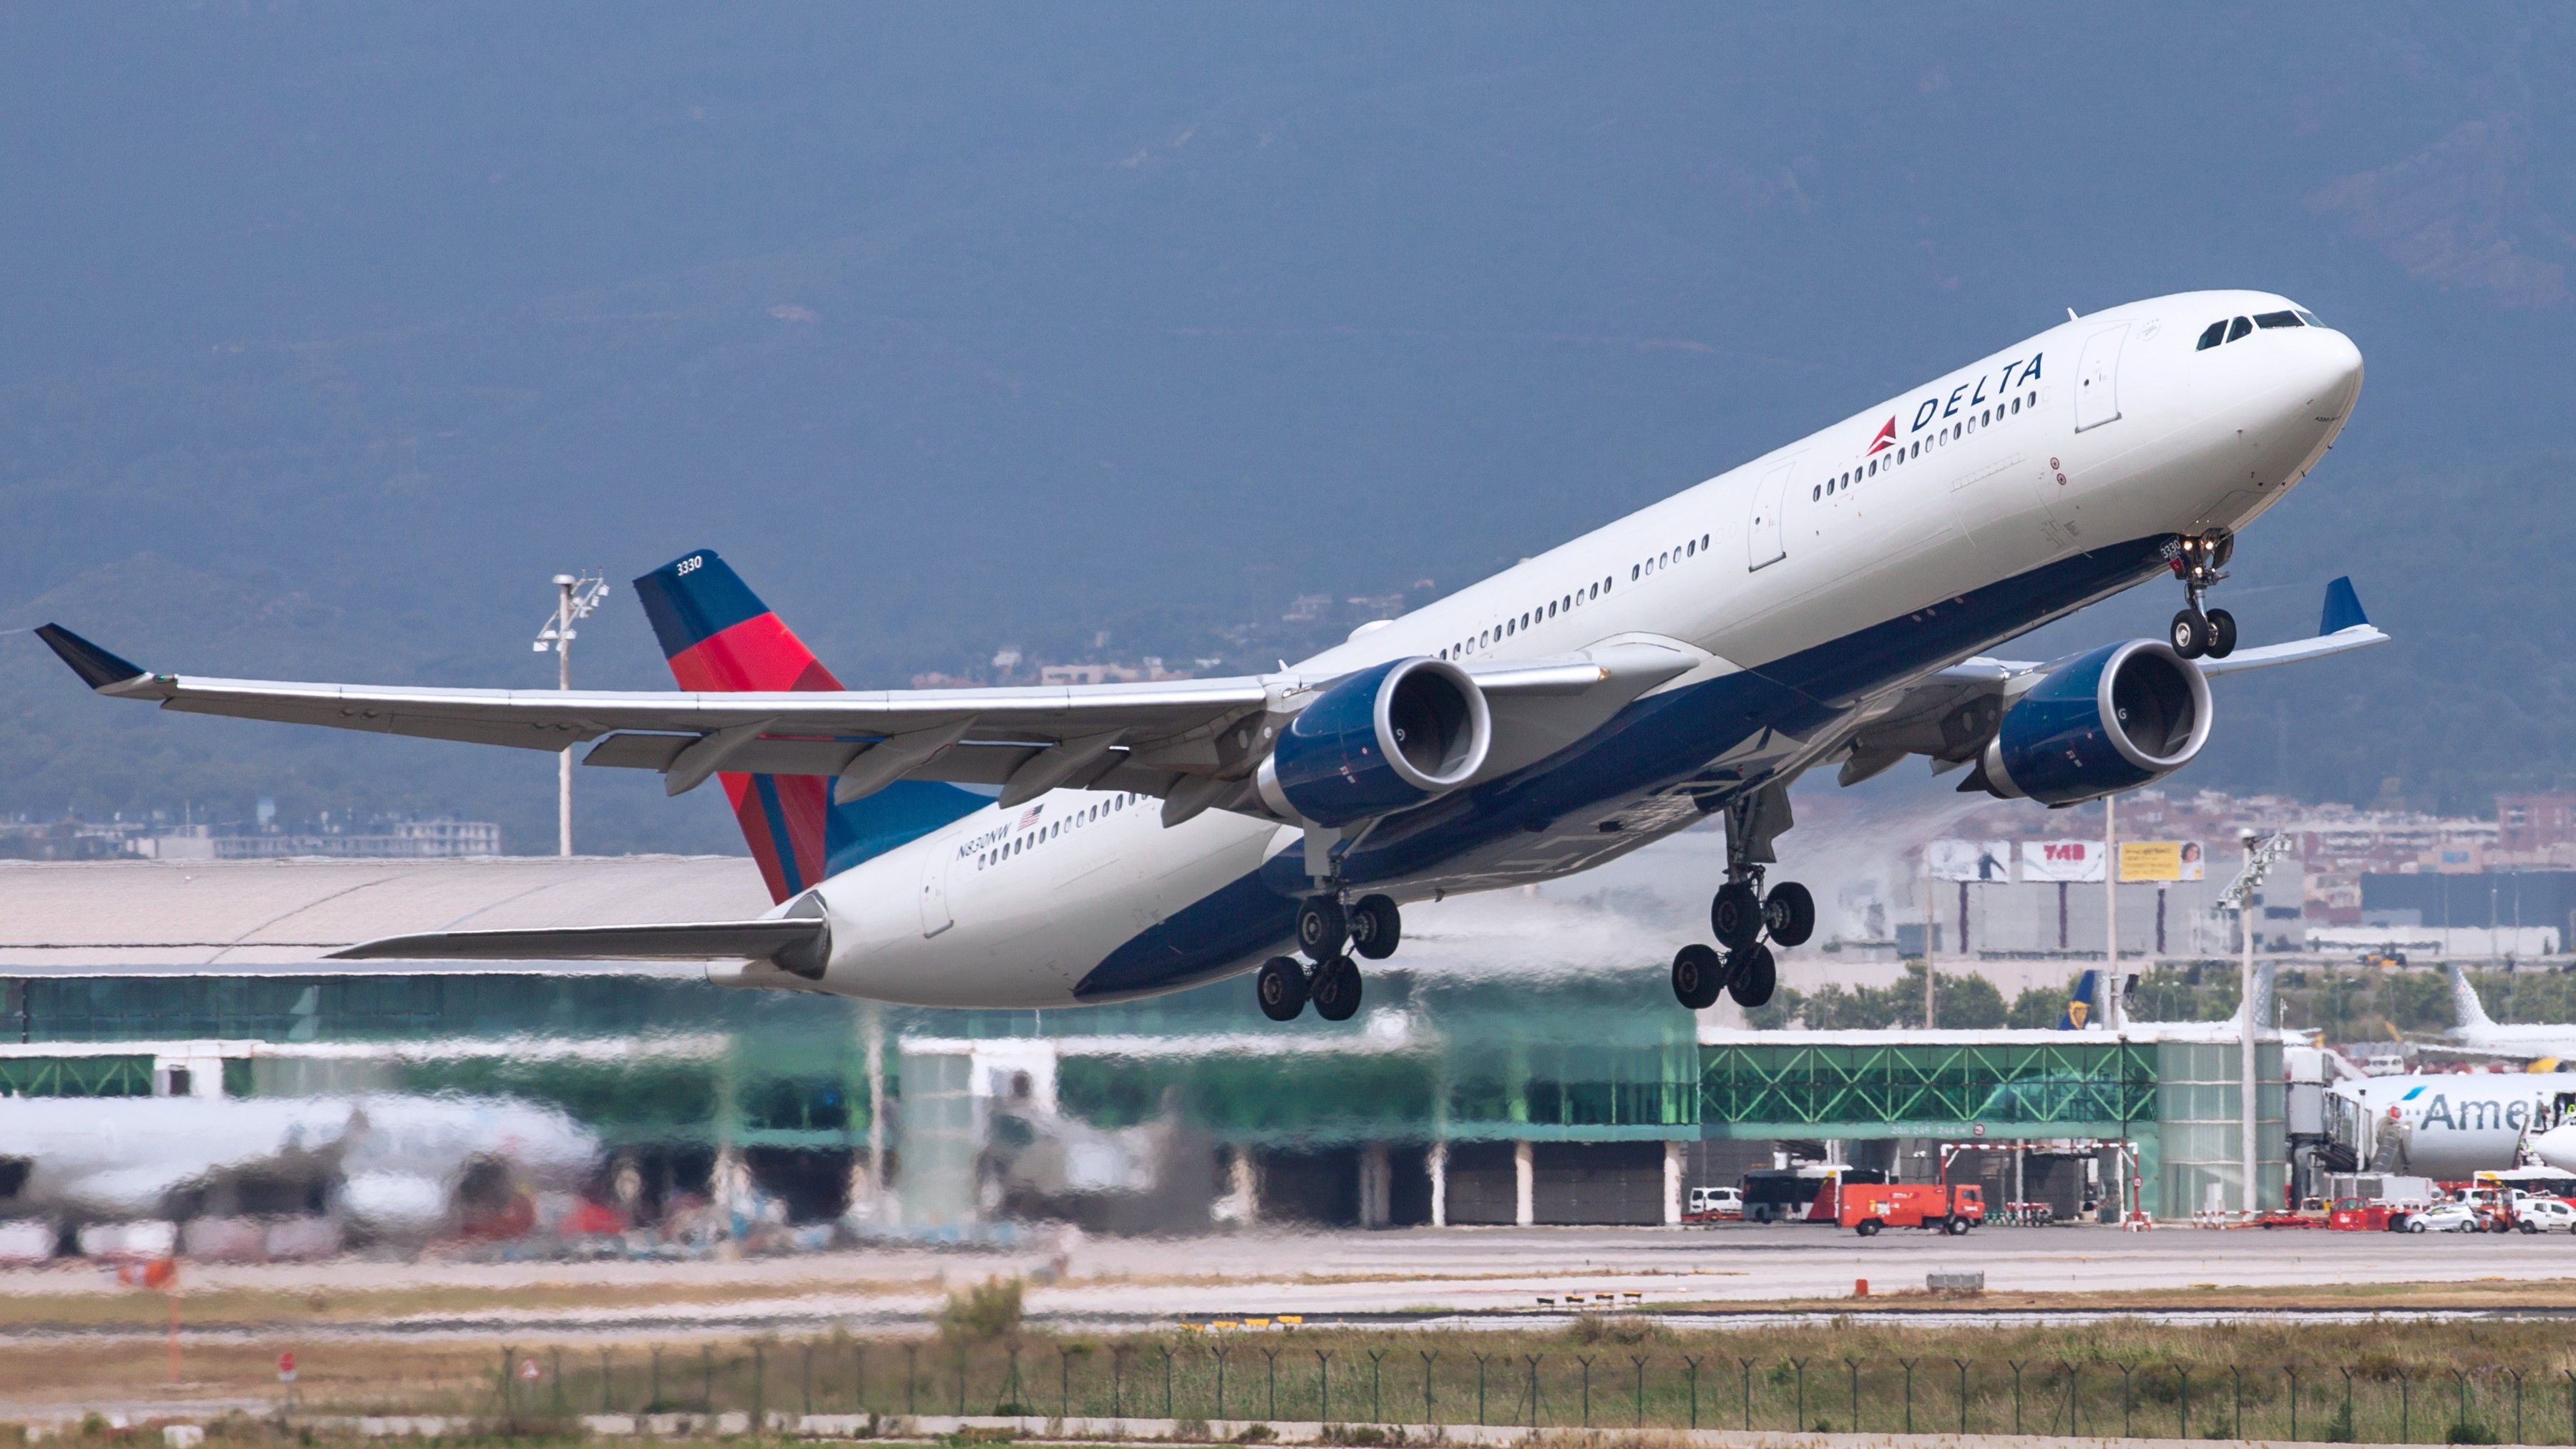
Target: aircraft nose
column 2334, row 373
column 2556, row 1147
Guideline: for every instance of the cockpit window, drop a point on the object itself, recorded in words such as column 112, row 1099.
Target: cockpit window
column 2238, row 329
column 2307, row 316
column 2216, row 334
column 2278, row 319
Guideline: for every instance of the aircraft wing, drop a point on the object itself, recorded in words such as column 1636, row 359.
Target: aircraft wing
column 1950, row 715
column 2498, row 1052
column 1193, row 742
column 797, row 943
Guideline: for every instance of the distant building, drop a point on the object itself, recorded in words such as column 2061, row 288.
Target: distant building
column 2537, row 825
column 405, row 840
column 1148, row 668
column 65, row 839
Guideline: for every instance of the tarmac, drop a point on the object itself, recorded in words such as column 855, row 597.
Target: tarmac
column 1457, row 1277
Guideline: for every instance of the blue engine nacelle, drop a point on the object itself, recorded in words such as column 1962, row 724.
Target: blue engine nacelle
column 1391, row 736
column 2105, row 722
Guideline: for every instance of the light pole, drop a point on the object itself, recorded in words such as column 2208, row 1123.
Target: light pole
column 575, row 598
column 2113, row 1007
column 2260, row 851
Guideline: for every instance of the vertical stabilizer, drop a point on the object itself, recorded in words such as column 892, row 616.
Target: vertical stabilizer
column 720, row 638
column 2083, row 1004
column 2265, row 997
column 2464, row 1001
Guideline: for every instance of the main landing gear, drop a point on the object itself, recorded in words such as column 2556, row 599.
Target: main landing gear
column 1746, row 921
column 1370, row 926
column 2199, row 561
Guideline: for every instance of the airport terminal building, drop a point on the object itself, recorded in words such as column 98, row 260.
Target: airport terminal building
column 1459, row 1095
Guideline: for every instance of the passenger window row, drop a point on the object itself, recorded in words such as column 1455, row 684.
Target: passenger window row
column 1690, row 548
column 1100, row 810
column 1983, row 418
column 1564, row 604
column 2228, row 329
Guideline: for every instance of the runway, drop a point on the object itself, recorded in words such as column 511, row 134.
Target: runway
column 1728, row 1276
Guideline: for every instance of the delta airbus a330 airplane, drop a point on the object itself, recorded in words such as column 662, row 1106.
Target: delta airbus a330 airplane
column 1827, row 602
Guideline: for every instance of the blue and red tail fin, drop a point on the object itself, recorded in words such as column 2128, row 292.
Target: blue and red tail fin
column 720, row 638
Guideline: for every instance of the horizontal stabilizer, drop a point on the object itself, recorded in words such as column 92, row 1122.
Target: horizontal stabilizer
column 800, row 945
column 2342, row 628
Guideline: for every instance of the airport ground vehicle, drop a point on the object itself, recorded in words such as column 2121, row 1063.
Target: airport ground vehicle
column 2544, row 1215
column 1714, row 1204
column 1868, row 1207
column 2446, row 1217
column 1806, row 1193
column 2366, row 1215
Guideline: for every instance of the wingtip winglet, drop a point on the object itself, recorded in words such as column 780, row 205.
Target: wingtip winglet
column 97, row 667
column 2343, row 607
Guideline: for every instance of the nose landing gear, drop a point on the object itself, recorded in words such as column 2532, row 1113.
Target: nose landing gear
column 2200, row 560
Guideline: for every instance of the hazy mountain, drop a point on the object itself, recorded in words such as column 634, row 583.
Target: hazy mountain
column 336, row 330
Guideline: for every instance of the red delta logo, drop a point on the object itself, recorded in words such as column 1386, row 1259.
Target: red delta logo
column 1886, row 437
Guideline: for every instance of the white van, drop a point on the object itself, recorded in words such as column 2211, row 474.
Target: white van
column 1709, row 1204
column 2536, row 1214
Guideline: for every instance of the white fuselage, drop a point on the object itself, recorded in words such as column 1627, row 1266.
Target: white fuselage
column 2447, row 1126
column 1780, row 568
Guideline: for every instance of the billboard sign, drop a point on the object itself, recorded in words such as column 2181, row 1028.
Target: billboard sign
column 2173, row 860
column 2063, row 860
column 1989, row 861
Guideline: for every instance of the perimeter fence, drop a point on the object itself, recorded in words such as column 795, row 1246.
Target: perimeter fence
column 1348, row 1380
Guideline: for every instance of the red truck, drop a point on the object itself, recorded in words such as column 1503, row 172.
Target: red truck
column 1868, row 1207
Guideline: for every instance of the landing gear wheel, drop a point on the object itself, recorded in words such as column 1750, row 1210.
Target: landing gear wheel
column 1789, row 914
column 1336, row 989
column 1375, row 927
column 1736, row 916
column 1699, row 974
column 1281, row 987
column 2222, row 633
column 1322, row 928
column 2190, row 634
column 1753, row 977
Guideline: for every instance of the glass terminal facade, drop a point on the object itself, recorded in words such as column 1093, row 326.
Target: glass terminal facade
column 1449, row 1098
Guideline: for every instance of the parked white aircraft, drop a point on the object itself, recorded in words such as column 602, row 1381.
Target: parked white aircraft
column 2481, row 1035
column 393, row 1166
column 1826, row 602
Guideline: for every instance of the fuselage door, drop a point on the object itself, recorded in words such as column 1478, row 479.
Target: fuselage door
column 1763, row 529
column 934, row 891
column 2097, row 378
